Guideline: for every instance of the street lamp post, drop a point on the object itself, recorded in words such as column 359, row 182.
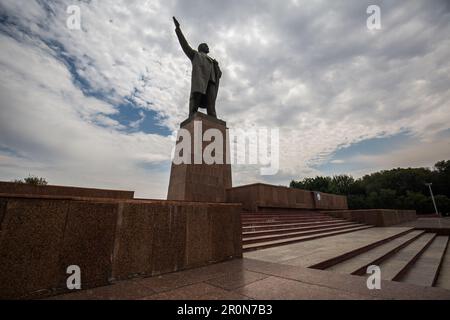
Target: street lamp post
column 432, row 197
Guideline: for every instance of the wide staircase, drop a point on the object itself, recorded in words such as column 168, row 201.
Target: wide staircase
column 417, row 257
column 411, row 256
column 275, row 228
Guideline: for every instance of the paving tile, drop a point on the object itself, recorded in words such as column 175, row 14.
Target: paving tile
column 234, row 280
column 350, row 284
column 124, row 290
column 347, row 283
column 274, row 288
column 198, row 291
column 255, row 279
column 175, row 280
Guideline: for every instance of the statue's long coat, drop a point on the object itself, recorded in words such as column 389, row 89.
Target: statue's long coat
column 204, row 68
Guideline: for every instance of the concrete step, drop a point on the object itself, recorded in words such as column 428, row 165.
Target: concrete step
column 350, row 253
column 314, row 214
column 393, row 267
column 280, row 229
column 424, row 272
column 286, row 212
column 294, row 216
column 291, row 225
column 247, row 239
column 358, row 264
column 286, row 218
column 292, row 220
column 274, row 243
column 256, row 215
column 443, row 280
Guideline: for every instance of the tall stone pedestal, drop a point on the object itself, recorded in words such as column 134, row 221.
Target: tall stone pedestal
column 199, row 180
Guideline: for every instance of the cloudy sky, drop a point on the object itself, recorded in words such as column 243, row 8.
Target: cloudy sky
column 99, row 107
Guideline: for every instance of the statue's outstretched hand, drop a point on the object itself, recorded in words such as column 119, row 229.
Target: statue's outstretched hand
column 175, row 21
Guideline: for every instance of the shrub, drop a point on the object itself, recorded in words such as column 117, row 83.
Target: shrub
column 33, row 180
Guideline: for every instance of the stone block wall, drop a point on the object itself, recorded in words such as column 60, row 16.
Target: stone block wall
column 376, row 217
column 11, row 188
column 201, row 181
column 260, row 197
column 109, row 240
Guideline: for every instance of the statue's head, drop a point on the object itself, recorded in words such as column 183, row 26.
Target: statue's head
column 203, row 47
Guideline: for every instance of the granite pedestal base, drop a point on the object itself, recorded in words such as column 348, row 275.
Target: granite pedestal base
column 196, row 178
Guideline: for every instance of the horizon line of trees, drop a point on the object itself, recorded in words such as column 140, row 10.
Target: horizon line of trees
column 400, row 188
column 33, row 180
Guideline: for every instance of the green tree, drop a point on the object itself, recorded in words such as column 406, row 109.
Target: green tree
column 33, row 180
column 441, row 178
column 443, row 204
column 318, row 183
column 341, row 184
column 387, row 199
column 357, row 201
column 399, row 188
column 417, row 201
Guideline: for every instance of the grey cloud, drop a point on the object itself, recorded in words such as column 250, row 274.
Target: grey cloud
column 310, row 68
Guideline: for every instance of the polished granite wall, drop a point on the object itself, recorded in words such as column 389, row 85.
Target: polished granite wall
column 108, row 239
column 376, row 217
column 201, row 181
column 12, row 188
column 260, row 197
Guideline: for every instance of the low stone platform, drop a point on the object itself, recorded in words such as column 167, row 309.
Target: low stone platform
column 265, row 197
column 11, row 188
column 436, row 225
column 376, row 217
column 251, row 279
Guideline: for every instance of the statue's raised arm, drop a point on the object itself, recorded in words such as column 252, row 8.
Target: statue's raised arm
column 183, row 42
column 205, row 76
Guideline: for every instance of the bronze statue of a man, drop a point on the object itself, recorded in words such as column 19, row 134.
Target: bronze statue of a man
column 206, row 75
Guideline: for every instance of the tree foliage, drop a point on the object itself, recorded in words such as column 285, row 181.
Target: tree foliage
column 400, row 188
column 33, row 180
